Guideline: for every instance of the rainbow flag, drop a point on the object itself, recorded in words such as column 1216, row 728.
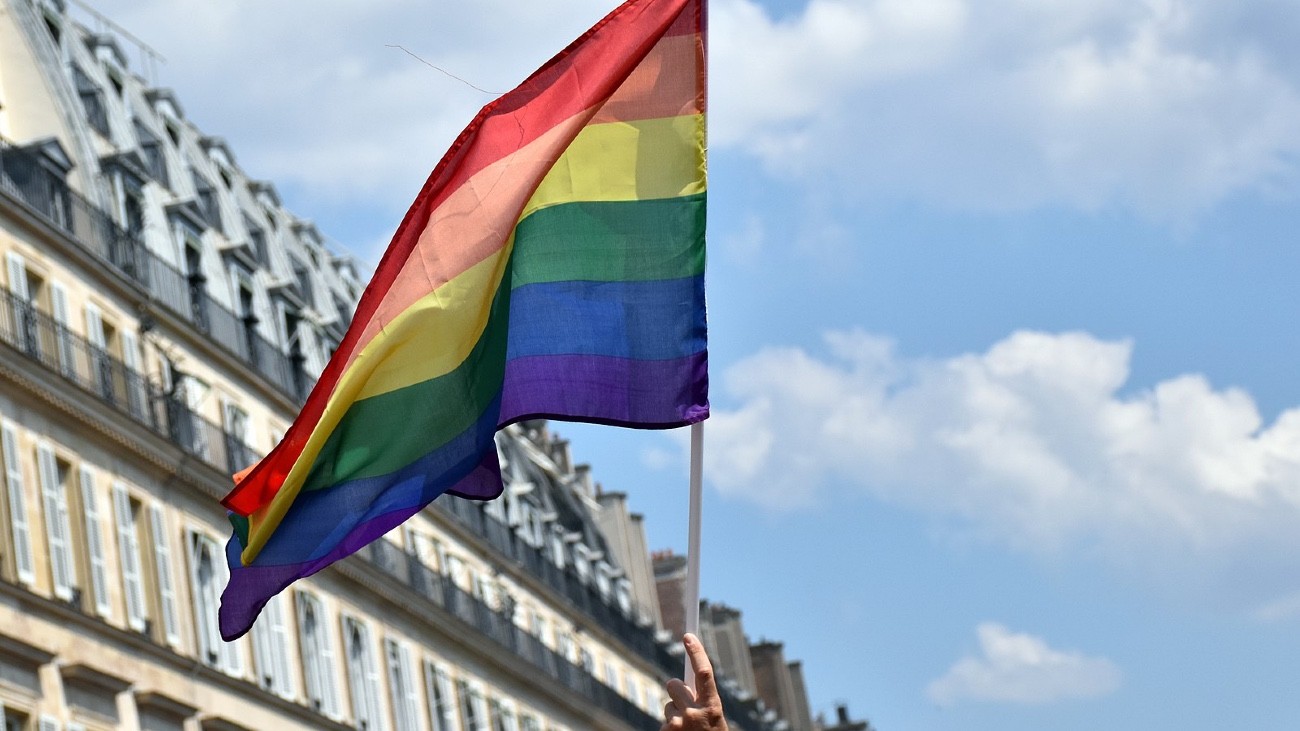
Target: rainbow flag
column 551, row 267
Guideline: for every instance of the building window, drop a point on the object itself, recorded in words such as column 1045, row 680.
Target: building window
column 271, row 649
column 208, row 202
column 53, row 474
column 257, row 238
column 195, row 278
column 245, row 299
column 557, row 546
column 442, row 697
column 24, row 291
column 127, row 514
column 137, row 397
column 238, row 454
column 62, row 328
column 538, row 626
column 473, row 709
column 564, row 644
column 303, row 275
column 160, row 538
column 91, row 516
column 92, row 100
column 124, row 245
column 317, row 655
column 503, row 715
column 101, row 337
column 401, row 686
column 208, row 577
column 363, row 676
column 630, row 688
column 20, row 527
column 151, row 150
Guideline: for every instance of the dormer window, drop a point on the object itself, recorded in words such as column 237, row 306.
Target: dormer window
column 151, row 151
column 92, row 100
column 257, row 239
column 208, row 203
column 303, row 276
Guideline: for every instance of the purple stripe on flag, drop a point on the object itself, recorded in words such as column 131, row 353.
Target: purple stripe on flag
column 607, row 390
column 251, row 587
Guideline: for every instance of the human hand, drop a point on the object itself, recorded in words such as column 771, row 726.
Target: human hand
column 700, row 710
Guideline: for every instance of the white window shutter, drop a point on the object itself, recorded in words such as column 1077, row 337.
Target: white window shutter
column 328, row 672
column 271, row 649
column 309, row 629
column 95, row 542
column 373, row 685
column 231, row 658
column 448, row 691
column 434, row 697
column 395, row 685
column 59, row 305
column 128, row 550
column 162, row 551
column 477, row 698
column 100, row 375
column 56, row 522
column 135, row 379
column 401, row 686
column 265, row 671
column 410, row 691
column 353, row 637
column 281, row 646
column 95, row 326
column 49, row 723
column 17, row 275
column 363, row 673
column 202, row 576
column 18, row 519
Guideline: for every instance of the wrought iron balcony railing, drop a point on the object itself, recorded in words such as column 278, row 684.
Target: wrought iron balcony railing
column 500, row 627
column 107, row 379
column 24, row 178
column 584, row 597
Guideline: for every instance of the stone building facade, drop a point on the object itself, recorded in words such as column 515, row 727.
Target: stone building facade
column 162, row 317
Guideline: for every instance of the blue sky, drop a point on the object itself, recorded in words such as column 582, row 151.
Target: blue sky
column 1002, row 301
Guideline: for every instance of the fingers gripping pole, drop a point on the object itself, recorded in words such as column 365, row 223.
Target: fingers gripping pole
column 692, row 593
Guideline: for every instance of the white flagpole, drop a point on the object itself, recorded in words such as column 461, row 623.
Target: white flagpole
column 692, row 594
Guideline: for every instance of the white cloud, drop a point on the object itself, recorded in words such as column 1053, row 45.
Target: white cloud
column 1034, row 443
column 1283, row 608
column 1023, row 669
column 310, row 95
column 1160, row 107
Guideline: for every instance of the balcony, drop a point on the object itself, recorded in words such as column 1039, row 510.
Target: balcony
column 501, row 629
column 581, row 596
column 107, row 379
column 124, row 254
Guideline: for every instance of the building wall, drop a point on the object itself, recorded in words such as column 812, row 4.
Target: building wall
column 801, row 713
column 726, row 631
column 670, row 586
column 772, row 679
column 625, row 533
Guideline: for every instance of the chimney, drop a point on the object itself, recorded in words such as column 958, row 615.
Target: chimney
column 842, row 711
